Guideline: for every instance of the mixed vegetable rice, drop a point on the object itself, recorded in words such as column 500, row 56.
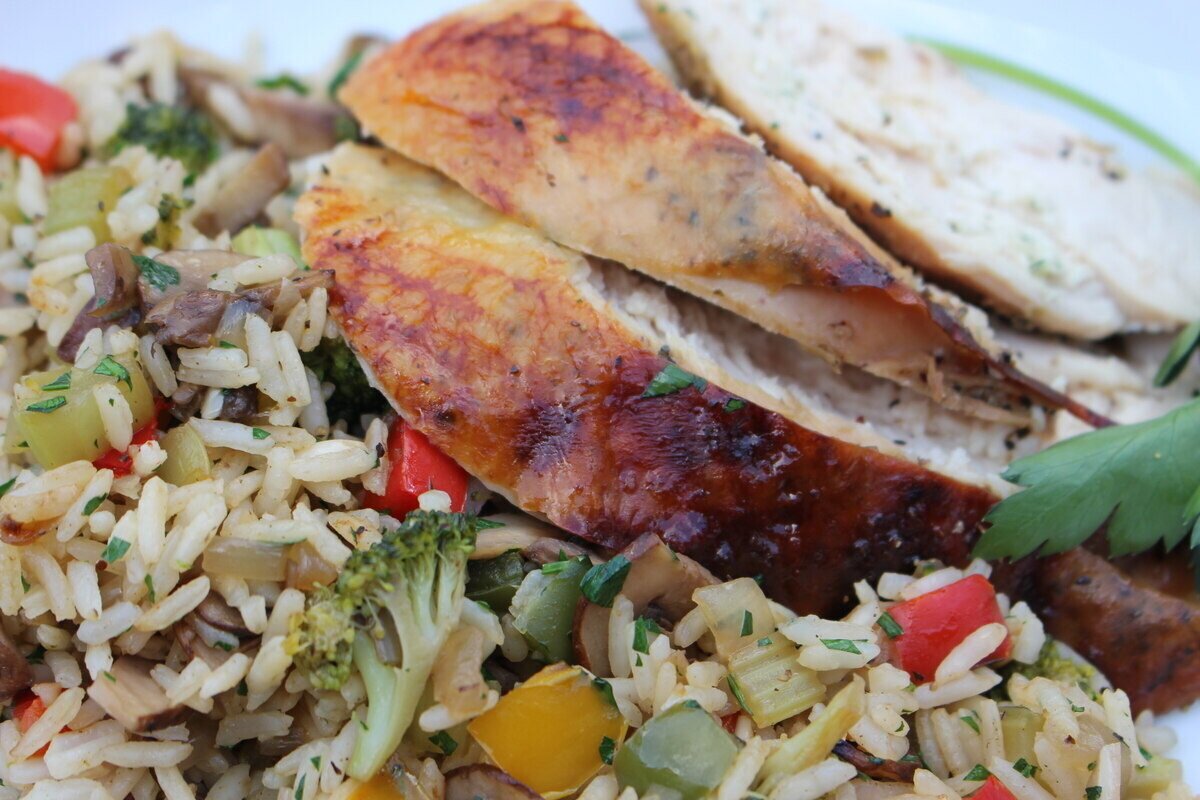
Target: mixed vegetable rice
column 228, row 571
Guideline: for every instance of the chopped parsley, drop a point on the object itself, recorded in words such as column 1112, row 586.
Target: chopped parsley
column 735, row 689
column 299, row 793
column 8, row 484
column 673, row 379
column 747, row 623
column 1093, row 792
column 115, row 550
column 978, row 773
column 843, row 645
column 59, row 384
column 606, row 691
column 94, row 503
column 888, row 625
column 158, row 274
column 46, row 406
column 444, row 741
column 482, row 524
column 259, row 433
column 734, row 404
column 283, row 81
column 344, row 73
column 149, row 581
column 603, row 582
column 608, row 749
column 114, row 369
column 1025, row 768
column 970, row 722
column 110, row 676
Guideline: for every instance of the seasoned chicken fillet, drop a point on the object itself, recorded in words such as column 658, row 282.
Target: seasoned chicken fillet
column 491, row 340
column 541, row 114
column 1005, row 203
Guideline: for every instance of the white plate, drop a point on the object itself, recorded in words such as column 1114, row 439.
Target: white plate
column 1140, row 58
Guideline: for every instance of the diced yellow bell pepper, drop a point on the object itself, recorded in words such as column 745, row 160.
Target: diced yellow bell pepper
column 381, row 787
column 547, row 732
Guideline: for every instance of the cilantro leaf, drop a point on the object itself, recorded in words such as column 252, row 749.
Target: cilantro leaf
column 112, row 368
column 1146, row 473
column 1177, row 357
column 283, row 81
column 159, row 275
column 672, row 379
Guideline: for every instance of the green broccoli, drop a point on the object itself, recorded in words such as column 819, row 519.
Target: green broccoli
column 181, row 133
column 413, row 582
column 353, row 395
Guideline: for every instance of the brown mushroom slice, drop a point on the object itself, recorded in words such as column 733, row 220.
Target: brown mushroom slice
column 657, row 576
column 484, row 780
column 244, row 196
column 216, row 612
column 516, row 532
column 15, row 673
column 115, row 277
column 543, row 551
column 879, row 769
column 129, row 695
column 189, row 319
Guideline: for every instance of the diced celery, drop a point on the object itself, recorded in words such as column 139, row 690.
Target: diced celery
column 85, row 197
column 737, row 613
column 256, row 241
column 1019, row 726
column 495, row 580
column 1158, row 774
column 8, row 188
column 187, row 458
column 766, row 678
column 682, row 752
column 544, row 607
column 814, row 744
column 63, row 425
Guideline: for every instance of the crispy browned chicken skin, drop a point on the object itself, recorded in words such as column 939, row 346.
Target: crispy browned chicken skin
column 543, row 115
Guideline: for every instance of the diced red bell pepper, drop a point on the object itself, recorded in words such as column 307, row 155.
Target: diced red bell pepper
column 119, row 461
column 28, row 709
column 416, row 467
column 32, row 116
column 993, row 789
column 935, row 623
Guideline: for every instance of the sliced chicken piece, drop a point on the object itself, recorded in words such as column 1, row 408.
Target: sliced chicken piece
column 512, row 355
column 1005, row 203
column 537, row 111
column 492, row 341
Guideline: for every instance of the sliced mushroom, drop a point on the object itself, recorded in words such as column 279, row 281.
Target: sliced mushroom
column 188, row 319
column 239, row 405
column 880, row 769
column 216, row 612
column 115, row 277
column 484, row 780
column 195, row 267
column 658, row 577
column 302, row 126
column 85, row 323
column 543, row 551
column 242, row 198
column 15, row 673
column 130, row 696
column 517, row 532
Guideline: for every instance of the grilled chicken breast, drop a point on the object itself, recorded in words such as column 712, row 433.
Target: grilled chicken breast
column 492, row 341
column 537, row 111
column 513, row 355
column 1007, row 204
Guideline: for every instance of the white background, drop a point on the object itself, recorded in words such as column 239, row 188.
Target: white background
column 1141, row 57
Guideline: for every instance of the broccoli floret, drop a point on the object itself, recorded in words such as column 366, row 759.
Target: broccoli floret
column 181, row 133
column 411, row 582
column 353, row 395
column 1056, row 666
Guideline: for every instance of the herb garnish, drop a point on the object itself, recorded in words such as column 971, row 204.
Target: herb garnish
column 112, row 368
column 603, row 582
column 735, row 689
column 283, row 81
column 1186, row 343
column 115, row 550
column 59, row 384
column 672, row 379
column 889, row 625
column 747, row 623
column 93, row 503
column 843, row 645
column 445, row 742
column 607, row 749
column 159, row 275
column 46, row 406
column 978, row 773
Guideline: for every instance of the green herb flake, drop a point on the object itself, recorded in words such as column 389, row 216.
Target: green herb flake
column 315, row 761
column 1185, row 344
column 1077, row 709
column 226, row 345
column 606, row 691
column 59, row 384
column 482, row 524
column 603, row 582
column 259, row 433
column 283, row 81
column 8, row 484
column 978, row 773
column 1025, row 768
column 641, row 639
column 94, row 503
column 608, row 749
column 1093, row 792
column 115, row 550
column 242, row 689
column 114, row 369
column 444, row 741
column 25, row 585
column 764, row 642
column 673, row 379
column 1140, row 479
column 888, row 625
column 149, row 581
column 344, row 73
column 158, row 274
column 110, row 676
column 555, row 567
column 46, row 406
column 735, row 689
column 561, row 138
column 970, row 722
column 747, row 623
column 299, row 793
column 843, row 645
column 734, row 404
